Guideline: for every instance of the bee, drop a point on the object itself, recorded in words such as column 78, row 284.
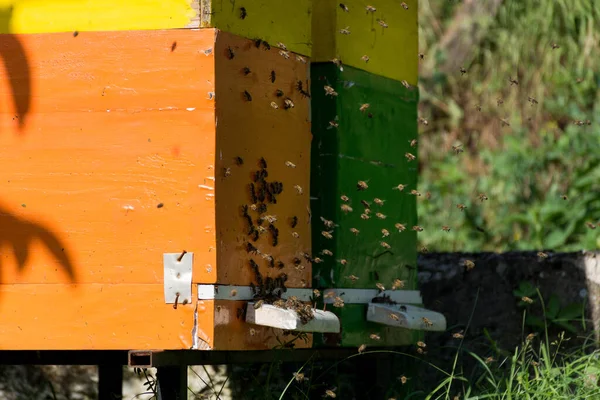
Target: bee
column 279, row 93
column 564, row 197
column 280, row 264
column 421, row 351
column 273, row 76
column 417, row 228
column 353, row 278
column 275, row 234
column 499, row 101
column 526, row 299
column 338, row 63
column 329, row 295
column 489, row 360
column 374, row 336
column 462, row 71
column 299, row 376
column 365, row 204
column 274, row 105
column 542, row 255
column 469, row 265
column 426, row 322
column 251, row 249
column 421, row 344
column 446, row 228
column 298, row 189
column 330, row 393
column 405, row 84
column 345, row 31
column 243, row 13
column 400, row 227
column 385, row 233
column 364, row 216
column 355, row 231
column 404, row 5
column 258, row 304
column 504, row 122
column 281, row 45
column 344, row 198
column 326, row 252
column 266, row 45
column 424, row 250
column 382, row 23
column 247, row 95
column 226, row 172
column 555, row 46
column 288, row 103
column 230, row 53
column 380, row 215
column 457, row 149
column 380, row 286
column 413, row 143
column 327, row 223
column 530, row 337
column 316, row 293
column 482, row 197
column 399, row 187
column 338, row 302
column 233, row 293
column 409, row 156
column 269, row 218
column 370, row 9
column 346, row 208
column 362, row 348
column 385, row 245
column 246, row 71
column 403, row 379
column 377, row 201
column 421, row 56
column 327, row 234
column 364, row 107
column 294, row 221
column 579, row 80
column 478, row 107
column 285, row 54
column 239, row 161
column 362, row 185
column 365, row 58
column 394, row 317
column 513, row 81
column 317, row 260
column 398, row 284
column 590, row 225
column 458, row 335
column 329, row 91
column 461, row 207
column 415, row 192
column 344, row 7
column 301, row 59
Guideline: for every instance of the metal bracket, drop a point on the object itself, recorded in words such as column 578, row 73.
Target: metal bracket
column 178, row 277
column 365, row 296
column 406, row 316
column 244, row 293
column 275, row 317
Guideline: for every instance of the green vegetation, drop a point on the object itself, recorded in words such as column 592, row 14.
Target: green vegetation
column 541, row 173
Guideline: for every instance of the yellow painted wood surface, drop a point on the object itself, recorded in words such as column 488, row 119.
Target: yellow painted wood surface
column 285, row 21
column 392, row 52
column 41, row 16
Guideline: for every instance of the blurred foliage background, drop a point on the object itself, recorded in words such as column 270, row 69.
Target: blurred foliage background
column 540, row 173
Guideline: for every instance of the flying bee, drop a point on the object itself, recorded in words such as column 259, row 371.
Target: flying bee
column 377, row 201
column 355, row 231
column 409, row 156
column 478, row 107
column 258, row 304
column 417, row 228
column 380, row 286
column 326, row 252
column 362, row 348
column 526, row 299
column 333, row 124
column 421, row 56
column 458, row 335
column 365, row 204
column 353, row 278
column 247, row 95
column 370, row 9
column 427, row 322
column 398, row 284
column 327, row 234
column 499, row 101
column 446, row 228
column 555, row 46
column 462, row 71
column 329, row 295
column 385, row 245
column 468, row 264
column 316, row 293
column 288, row 103
column 394, row 317
column 405, row 84
column 590, row 225
column 404, row 5
column 301, row 59
column 345, row 31
column 504, row 122
column 399, row 187
column 421, row 351
column 343, row 261
column 424, row 250
column 403, row 379
column 482, row 197
column 400, row 227
column 374, row 336
column 385, row 233
column 541, row 255
column 421, row 344
column 364, row 216
column 513, row 81
column 380, row 215
column 299, row 376
column 346, row 208
column 338, row 302
column 461, row 207
column 330, row 393
column 579, row 80
column 413, row 143
column 338, row 63
column 565, row 197
column 362, row 185
column 274, row 105
column 457, row 149
column 344, row 7
column 298, row 189
column 329, row 91
column 344, row 198
column 415, row 192
column 285, row 54
column 364, row 107
column 281, row 45
column 365, row 58
column 382, row 23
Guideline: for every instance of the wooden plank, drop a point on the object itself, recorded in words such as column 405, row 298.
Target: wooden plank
column 254, row 130
column 367, row 146
column 102, row 174
column 38, row 16
column 391, row 51
column 91, row 317
column 288, row 22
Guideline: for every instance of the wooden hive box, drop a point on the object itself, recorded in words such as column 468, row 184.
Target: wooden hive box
column 120, row 147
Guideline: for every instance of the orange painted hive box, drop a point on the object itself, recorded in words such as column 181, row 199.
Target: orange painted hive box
column 121, row 150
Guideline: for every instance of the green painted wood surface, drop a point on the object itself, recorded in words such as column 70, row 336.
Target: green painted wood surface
column 367, row 146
